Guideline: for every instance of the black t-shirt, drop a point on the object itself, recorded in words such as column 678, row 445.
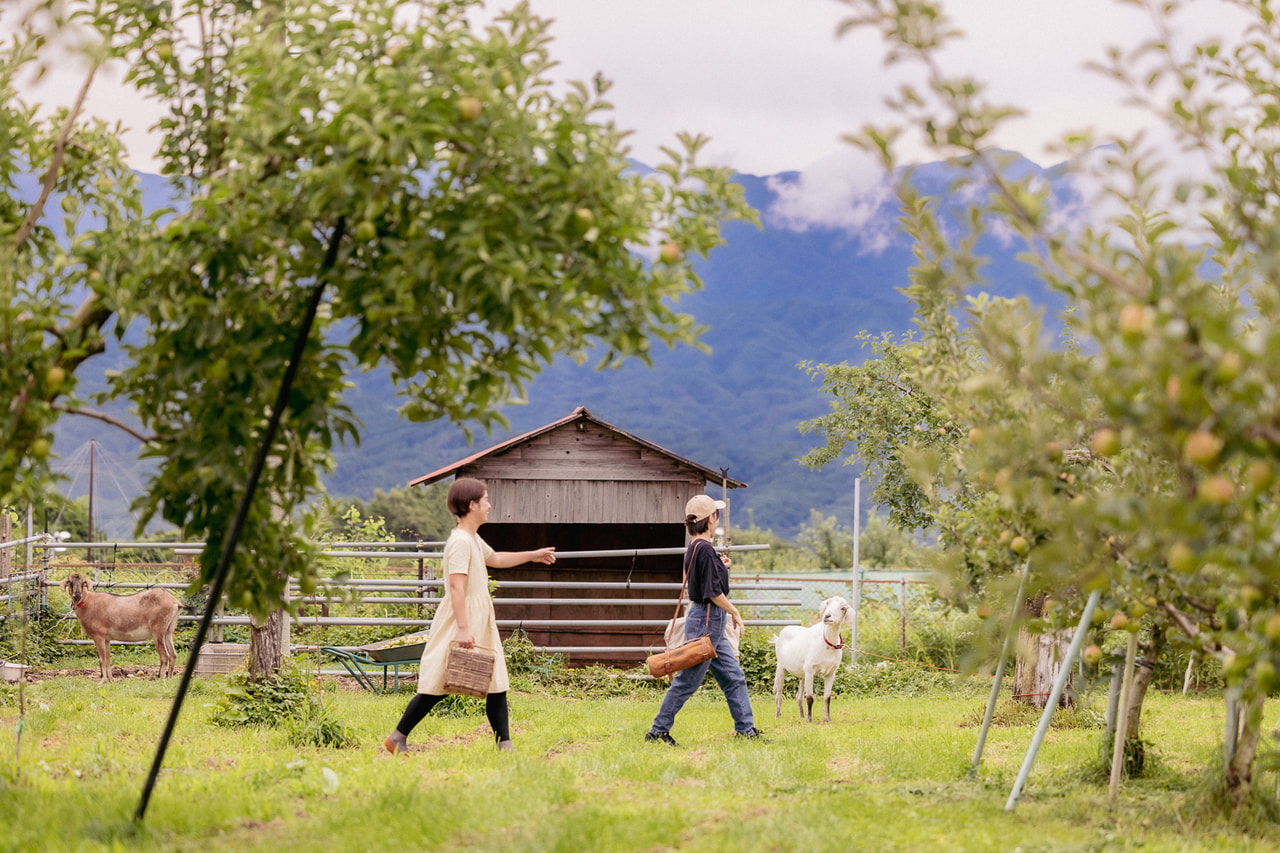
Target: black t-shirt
column 708, row 575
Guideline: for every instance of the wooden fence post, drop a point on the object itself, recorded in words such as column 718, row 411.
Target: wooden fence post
column 5, row 556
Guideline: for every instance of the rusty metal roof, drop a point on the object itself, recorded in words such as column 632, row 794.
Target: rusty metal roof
column 579, row 414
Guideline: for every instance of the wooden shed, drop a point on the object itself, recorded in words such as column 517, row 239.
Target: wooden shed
column 581, row 484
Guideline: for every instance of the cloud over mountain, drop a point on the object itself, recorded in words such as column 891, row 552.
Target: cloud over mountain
column 846, row 192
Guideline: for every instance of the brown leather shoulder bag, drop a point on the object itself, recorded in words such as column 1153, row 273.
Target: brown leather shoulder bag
column 675, row 658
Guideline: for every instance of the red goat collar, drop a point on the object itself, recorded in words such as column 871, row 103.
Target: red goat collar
column 80, row 603
column 831, row 644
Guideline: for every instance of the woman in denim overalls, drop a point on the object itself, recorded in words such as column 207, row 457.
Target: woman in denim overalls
column 709, row 607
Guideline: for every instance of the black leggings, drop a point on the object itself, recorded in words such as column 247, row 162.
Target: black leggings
column 495, row 708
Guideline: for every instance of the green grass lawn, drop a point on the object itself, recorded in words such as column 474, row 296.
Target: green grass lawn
column 888, row 774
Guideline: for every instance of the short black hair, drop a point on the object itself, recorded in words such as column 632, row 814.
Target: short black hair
column 464, row 492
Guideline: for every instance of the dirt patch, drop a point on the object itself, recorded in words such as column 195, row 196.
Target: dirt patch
column 570, row 748
column 150, row 673
column 347, row 684
column 431, row 743
column 846, row 769
column 479, row 733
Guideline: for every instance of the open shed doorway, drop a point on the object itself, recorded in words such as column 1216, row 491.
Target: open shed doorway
column 642, row 568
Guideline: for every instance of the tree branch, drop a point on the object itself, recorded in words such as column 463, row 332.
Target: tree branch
column 55, row 163
column 107, row 419
column 91, row 315
column 1184, row 622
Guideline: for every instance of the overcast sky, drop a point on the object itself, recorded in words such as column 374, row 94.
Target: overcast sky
column 775, row 89
column 772, row 85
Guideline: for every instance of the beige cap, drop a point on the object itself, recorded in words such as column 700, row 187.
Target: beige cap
column 700, row 507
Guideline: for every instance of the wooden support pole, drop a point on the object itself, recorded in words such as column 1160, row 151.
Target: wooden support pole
column 1086, row 618
column 1005, row 651
column 1122, row 717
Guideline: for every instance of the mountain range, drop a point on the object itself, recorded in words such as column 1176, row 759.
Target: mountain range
column 826, row 265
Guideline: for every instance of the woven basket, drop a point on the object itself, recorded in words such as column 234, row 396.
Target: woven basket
column 468, row 671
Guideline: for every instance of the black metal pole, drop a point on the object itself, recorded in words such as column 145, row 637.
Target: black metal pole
column 242, row 513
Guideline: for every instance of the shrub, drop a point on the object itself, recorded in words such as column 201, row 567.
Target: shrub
column 345, row 635
column 937, row 634
column 35, row 643
column 287, row 699
column 270, row 701
column 534, row 671
column 755, row 653
column 316, row 727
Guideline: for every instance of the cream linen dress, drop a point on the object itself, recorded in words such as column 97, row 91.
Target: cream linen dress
column 464, row 554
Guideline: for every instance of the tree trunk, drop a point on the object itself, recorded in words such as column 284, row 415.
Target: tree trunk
column 1240, row 769
column 268, row 643
column 1143, row 675
column 1038, row 669
column 265, row 645
column 1039, row 663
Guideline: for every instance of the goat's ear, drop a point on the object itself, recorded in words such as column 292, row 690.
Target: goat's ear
column 63, row 586
column 88, row 585
column 848, row 615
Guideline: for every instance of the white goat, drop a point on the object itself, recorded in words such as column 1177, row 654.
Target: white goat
column 127, row 618
column 815, row 650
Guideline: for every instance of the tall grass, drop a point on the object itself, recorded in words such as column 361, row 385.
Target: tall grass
column 888, row 774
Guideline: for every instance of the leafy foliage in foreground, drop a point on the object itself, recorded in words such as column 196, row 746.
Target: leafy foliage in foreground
column 1133, row 459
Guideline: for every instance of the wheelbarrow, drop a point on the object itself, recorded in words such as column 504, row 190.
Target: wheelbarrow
column 363, row 661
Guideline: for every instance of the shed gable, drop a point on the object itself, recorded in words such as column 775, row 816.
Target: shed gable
column 582, row 451
column 582, row 473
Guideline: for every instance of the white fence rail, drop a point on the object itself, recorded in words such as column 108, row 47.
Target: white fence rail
column 769, row 600
column 416, row 592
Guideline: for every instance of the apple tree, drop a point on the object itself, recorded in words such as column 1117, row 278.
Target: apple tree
column 940, row 428
column 1164, row 411
column 412, row 181
column 57, row 173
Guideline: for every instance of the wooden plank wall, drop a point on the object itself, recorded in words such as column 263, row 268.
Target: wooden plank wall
column 586, row 476
column 588, row 501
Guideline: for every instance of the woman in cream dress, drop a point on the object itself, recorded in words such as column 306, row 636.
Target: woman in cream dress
column 465, row 614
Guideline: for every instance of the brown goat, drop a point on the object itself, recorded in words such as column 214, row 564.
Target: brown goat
column 126, row 618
